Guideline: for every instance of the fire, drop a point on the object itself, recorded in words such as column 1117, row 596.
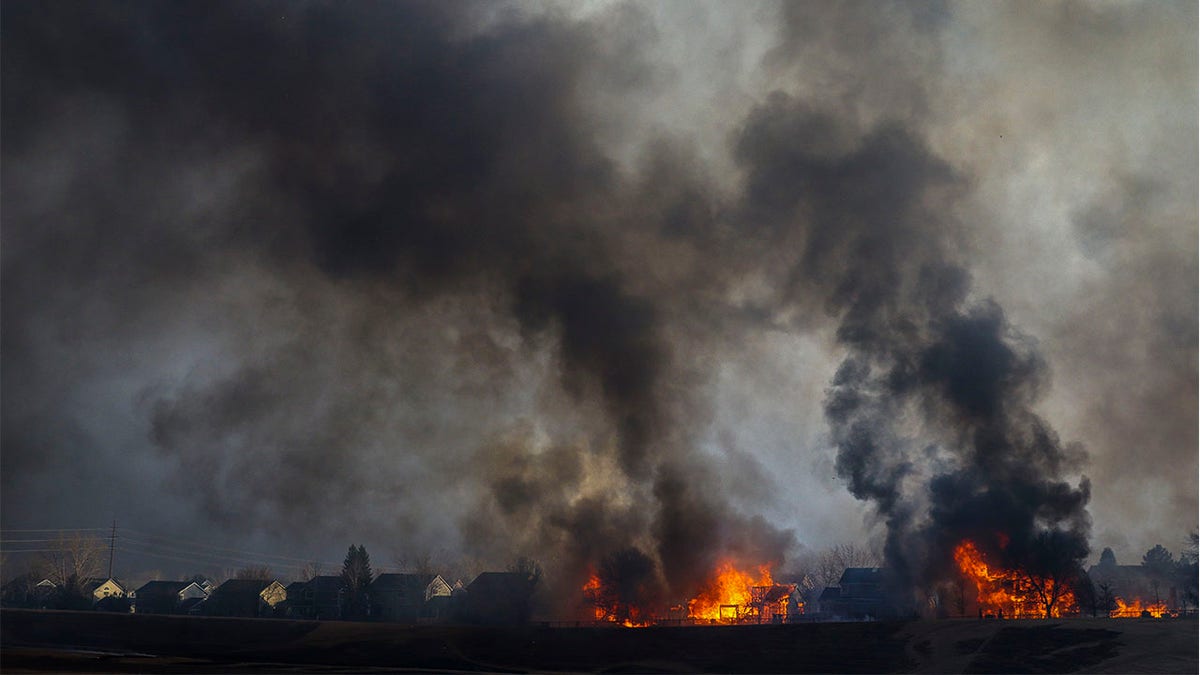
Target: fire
column 728, row 591
column 730, row 595
column 611, row 610
column 1012, row 593
column 1134, row 609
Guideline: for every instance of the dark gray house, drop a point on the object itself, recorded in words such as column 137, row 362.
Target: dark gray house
column 319, row 598
column 497, row 598
column 158, row 597
column 408, row 597
column 246, row 597
column 858, row 595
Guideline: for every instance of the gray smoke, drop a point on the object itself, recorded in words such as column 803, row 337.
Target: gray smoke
column 568, row 282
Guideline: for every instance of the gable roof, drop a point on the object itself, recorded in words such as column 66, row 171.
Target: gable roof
column 189, row 584
column 241, row 587
column 161, row 588
column 325, row 583
column 114, row 581
column 500, row 583
column 861, row 575
column 830, row 593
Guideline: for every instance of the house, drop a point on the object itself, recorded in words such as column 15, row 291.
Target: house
column 167, row 597
column 498, row 598
column 27, row 590
column 246, row 597
column 828, row 601
column 409, row 597
column 294, row 592
column 319, row 598
column 109, row 588
column 858, row 595
column 192, row 606
column 1126, row 581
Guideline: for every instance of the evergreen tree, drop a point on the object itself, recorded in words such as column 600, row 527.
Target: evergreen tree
column 1160, row 566
column 1107, row 558
column 356, row 578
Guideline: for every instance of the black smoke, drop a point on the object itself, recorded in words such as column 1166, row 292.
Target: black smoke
column 932, row 410
column 400, row 158
column 427, row 273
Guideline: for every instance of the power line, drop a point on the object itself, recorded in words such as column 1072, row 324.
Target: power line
column 205, row 557
column 195, row 544
column 193, row 560
column 197, row 554
column 58, row 530
column 149, row 544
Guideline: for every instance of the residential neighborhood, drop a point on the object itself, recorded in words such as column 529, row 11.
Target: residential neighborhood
column 491, row 597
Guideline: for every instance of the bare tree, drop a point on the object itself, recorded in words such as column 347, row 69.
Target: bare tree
column 1053, row 568
column 73, row 560
column 259, row 572
column 452, row 567
column 833, row 561
column 420, row 562
column 310, row 571
column 530, row 568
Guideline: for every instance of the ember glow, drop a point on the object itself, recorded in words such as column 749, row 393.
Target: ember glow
column 1012, row 593
column 1133, row 609
column 609, row 609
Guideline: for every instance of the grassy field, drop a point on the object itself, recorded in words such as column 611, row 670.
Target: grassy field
column 45, row 641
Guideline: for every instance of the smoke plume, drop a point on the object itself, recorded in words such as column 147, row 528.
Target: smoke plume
column 626, row 289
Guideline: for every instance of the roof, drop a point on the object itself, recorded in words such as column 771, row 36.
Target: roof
column 23, row 580
column 830, row 593
column 241, row 587
column 861, row 575
column 776, row 592
column 162, row 587
column 390, row 582
column 325, row 583
column 189, row 603
column 92, row 583
column 500, row 582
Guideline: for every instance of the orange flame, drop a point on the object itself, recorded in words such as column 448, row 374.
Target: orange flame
column 592, row 590
column 1134, row 608
column 729, row 588
column 730, row 595
column 1010, row 593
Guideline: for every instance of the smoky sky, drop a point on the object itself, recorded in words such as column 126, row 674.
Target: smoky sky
column 675, row 281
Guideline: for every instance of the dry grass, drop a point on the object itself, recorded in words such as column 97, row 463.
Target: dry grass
column 90, row 642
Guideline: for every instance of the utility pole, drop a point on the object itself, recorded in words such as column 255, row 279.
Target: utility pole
column 112, row 546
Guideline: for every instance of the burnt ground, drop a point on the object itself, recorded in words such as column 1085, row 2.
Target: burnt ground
column 45, row 641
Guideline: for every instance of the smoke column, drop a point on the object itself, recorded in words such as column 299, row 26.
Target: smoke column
column 632, row 287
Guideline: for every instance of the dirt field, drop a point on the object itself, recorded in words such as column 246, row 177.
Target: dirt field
column 42, row 641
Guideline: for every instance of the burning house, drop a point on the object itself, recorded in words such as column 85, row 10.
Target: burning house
column 527, row 319
column 620, row 594
column 1130, row 591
